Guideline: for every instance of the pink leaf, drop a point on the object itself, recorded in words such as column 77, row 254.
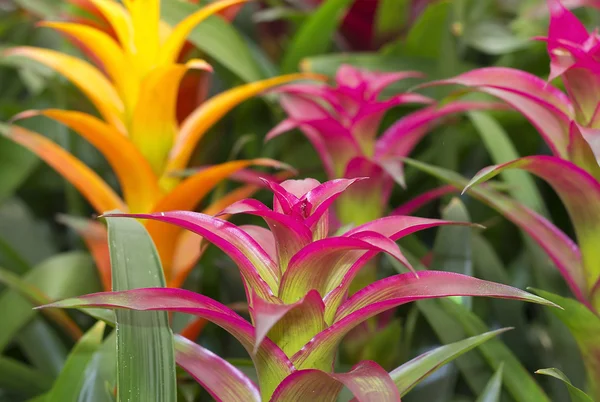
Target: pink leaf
column 320, row 198
column 289, row 232
column 257, row 268
column 546, row 107
column 222, row 380
column 410, row 207
column 263, row 237
column 367, row 381
column 392, row 292
column 579, row 192
column 269, row 360
column 393, row 227
column 400, row 139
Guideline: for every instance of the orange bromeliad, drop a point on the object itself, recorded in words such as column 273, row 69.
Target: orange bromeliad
column 134, row 88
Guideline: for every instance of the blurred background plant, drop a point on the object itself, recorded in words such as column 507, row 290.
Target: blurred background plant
column 43, row 260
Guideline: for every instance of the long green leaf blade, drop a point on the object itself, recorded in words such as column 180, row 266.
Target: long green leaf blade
column 452, row 247
column 145, row 352
column 517, row 379
column 493, row 389
column 321, row 24
column 411, row 373
column 71, row 379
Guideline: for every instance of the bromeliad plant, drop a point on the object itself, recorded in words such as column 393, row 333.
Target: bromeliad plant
column 296, row 277
column 570, row 126
column 135, row 88
column 342, row 123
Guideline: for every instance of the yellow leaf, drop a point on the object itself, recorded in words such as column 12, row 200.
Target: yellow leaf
column 113, row 58
column 172, row 46
column 85, row 76
column 153, row 124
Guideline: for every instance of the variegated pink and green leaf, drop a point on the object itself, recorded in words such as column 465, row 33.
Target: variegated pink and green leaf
column 579, row 192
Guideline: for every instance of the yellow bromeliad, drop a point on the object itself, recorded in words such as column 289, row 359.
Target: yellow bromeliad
column 135, row 89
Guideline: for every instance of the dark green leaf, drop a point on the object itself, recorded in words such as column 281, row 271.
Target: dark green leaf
column 16, row 164
column 22, row 379
column 322, row 24
column 62, row 276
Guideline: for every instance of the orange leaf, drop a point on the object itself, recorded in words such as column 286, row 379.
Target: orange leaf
column 138, row 182
column 174, row 43
column 90, row 185
column 85, row 76
column 185, row 197
column 207, row 114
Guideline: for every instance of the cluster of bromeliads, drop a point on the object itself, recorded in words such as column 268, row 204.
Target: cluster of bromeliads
column 298, row 273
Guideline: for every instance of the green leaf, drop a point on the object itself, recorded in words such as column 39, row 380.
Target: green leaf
column 16, row 164
column 218, row 39
column 517, row 380
column 493, row 389
column 329, row 63
column 62, row 276
column 10, row 258
column 576, row 394
column 452, row 247
column 40, row 7
column 19, row 230
column 100, row 375
column 497, row 142
column 68, row 385
column 315, row 34
column 43, row 348
column 493, row 37
column 427, row 35
column 145, row 352
column 22, row 379
column 585, row 327
column 452, row 321
column 38, row 298
column 391, row 15
column 411, row 373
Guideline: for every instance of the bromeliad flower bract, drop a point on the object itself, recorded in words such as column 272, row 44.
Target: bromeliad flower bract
column 342, row 123
column 135, row 90
column 296, row 278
